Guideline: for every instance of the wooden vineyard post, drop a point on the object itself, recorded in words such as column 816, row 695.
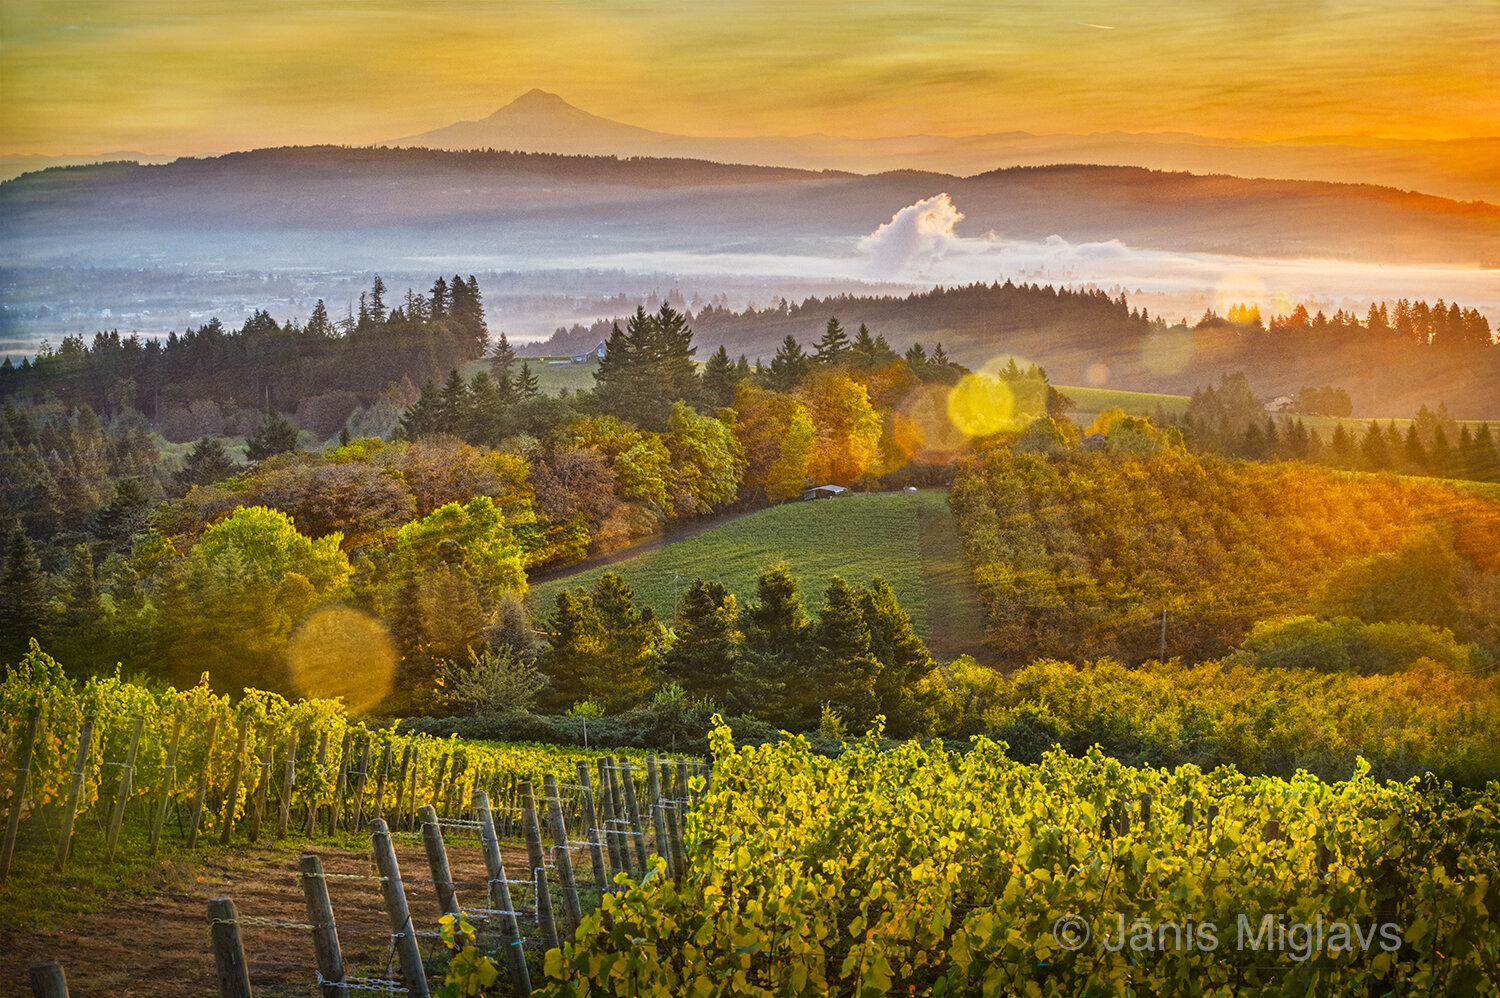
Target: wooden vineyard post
column 232, row 798
column 168, row 784
column 288, row 783
column 336, row 806
column 621, row 815
column 117, row 813
column 499, row 896
column 229, row 954
column 1146, row 813
column 437, row 859
column 538, row 867
column 561, row 859
column 18, row 790
column 633, row 812
column 358, row 820
column 682, row 797
column 1210, row 813
column 48, row 980
column 405, row 937
column 312, row 796
column 607, row 827
column 592, row 829
column 377, row 806
column 75, row 788
column 1187, row 814
column 202, row 791
column 658, row 820
column 670, row 810
column 1124, row 817
column 325, row 932
column 258, row 816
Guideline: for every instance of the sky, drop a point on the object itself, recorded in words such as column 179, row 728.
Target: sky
column 187, row 78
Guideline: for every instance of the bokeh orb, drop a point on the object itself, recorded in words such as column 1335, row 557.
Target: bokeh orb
column 338, row 651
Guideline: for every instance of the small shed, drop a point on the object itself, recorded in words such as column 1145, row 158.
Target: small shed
column 823, row 492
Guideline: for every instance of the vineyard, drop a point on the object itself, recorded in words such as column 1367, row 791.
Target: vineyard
column 263, row 767
column 927, row 871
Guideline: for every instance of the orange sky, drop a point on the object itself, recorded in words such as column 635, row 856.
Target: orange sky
column 166, row 76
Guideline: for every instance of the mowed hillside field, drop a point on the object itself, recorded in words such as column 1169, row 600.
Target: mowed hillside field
column 908, row 538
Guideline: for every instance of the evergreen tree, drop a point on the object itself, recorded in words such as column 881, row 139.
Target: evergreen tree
column 206, row 463
column 773, row 654
column 834, row 344
column 528, row 385
column 904, row 660
column 600, row 647
column 453, row 405
column 377, row 301
column 485, row 418
column 647, row 367
column 423, row 416
column 843, row 670
column 1416, row 454
column 719, row 378
column 1440, row 456
column 1373, row 449
column 23, row 596
column 788, row 366
column 125, row 515
column 81, row 617
column 437, row 303
column 702, row 657
column 502, row 359
column 318, row 324
column 1486, row 455
column 276, row 435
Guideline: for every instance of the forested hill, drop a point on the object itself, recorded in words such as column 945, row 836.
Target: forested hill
column 1389, row 361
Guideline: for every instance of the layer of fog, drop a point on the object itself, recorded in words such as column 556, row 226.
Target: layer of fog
column 542, row 280
column 921, row 245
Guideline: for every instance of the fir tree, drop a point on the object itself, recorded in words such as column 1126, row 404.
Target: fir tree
column 702, row 657
column 834, row 344
column 206, row 463
column 843, row 670
column 377, row 301
column 453, row 405
column 23, row 595
column 276, row 435
column 502, row 359
column 904, row 660
column 719, row 379
column 788, row 366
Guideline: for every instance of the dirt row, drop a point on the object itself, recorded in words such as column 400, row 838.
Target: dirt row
column 157, row 944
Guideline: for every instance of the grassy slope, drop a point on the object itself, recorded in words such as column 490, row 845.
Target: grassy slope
column 550, row 377
column 1092, row 401
column 910, row 539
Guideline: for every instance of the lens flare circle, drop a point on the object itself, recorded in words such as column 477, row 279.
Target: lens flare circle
column 338, row 651
column 922, row 429
column 981, row 406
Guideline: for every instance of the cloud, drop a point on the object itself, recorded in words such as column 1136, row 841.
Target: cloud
column 917, row 240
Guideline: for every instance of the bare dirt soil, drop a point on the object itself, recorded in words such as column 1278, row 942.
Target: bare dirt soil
column 158, row 944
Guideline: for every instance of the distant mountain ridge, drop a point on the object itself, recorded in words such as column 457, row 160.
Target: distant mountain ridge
column 539, row 121
column 550, row 205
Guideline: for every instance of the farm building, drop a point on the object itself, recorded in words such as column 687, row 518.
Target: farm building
column 823, row 492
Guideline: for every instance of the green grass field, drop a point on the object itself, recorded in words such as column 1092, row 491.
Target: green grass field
column 910, row 539
column 551, row 377
column 1092, row 401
